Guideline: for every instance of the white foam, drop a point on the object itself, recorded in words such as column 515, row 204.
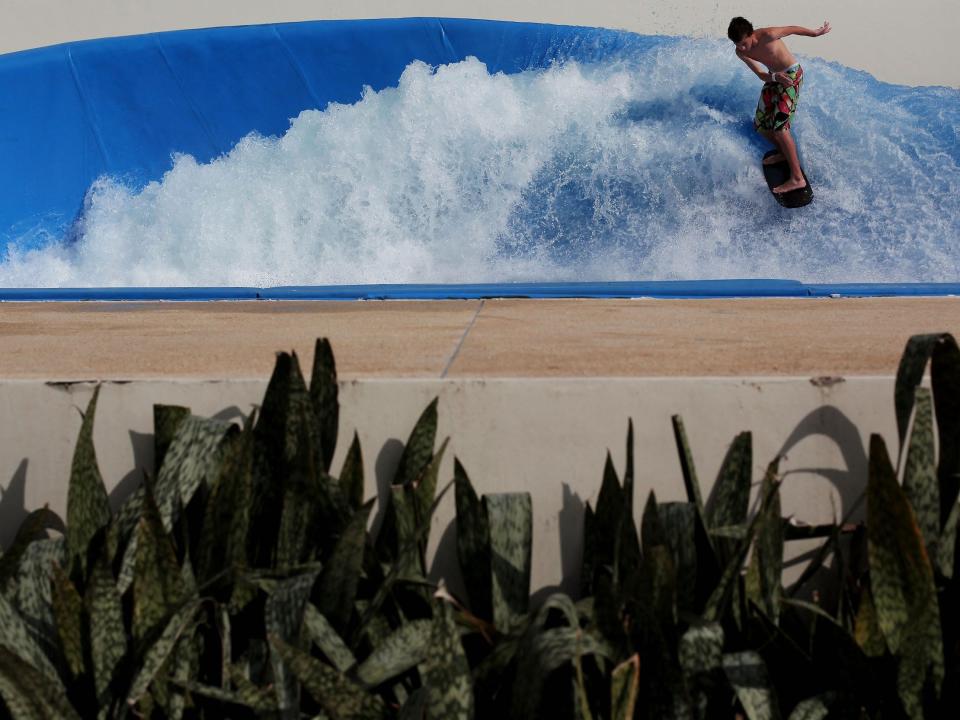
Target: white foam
column 642, row 169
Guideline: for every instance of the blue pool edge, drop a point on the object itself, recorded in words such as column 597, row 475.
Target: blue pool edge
column 646, row 289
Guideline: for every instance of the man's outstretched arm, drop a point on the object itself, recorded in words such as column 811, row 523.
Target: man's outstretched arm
column 770, row 34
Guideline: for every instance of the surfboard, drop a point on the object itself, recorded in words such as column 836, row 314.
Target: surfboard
column 777, row 175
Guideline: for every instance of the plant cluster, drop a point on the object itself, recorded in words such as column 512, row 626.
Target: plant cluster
column 242, row 580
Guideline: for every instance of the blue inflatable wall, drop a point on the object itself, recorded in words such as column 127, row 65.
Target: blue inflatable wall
column 122, row 106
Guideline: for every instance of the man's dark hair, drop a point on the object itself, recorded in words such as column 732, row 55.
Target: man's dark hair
column 739, row 29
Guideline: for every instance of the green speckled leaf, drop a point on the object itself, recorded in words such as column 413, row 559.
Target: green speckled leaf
column 425, row 493
column 261, row 702
column 327, row 639
column 223, row 539
column 543, row 652
column 108, row 638
column 166, row 420
column 730, row 499
column 193, row 458
column 68, row 610
column 157, row 585
column 701, row 649
column 766, row 565
column 815, row 708
column 947, row 545
column 403, row 649
column 33, row 527
column 902, row 582
column 679, row 523
column 33, row 589
column 473, row 543
column 719, row 599
column 944, row 356
column 340, row 698
column 510, row 518
column 419, row 448
column 283, row 619
column 29, row 694
column 415, row 707
column 920, row 471
column 687, row 467
column 445, row 672
column 628, row 472
column 323, row 393
column 88, row 509
column 624, row 686
column 351, row 474
column 867, row 630
column 700, row 652
column 159, row 652
column 15, row 634
column 747, row 673
column 337, row 588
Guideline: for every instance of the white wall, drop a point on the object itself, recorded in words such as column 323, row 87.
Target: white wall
column 548, row 437
column 905, row 42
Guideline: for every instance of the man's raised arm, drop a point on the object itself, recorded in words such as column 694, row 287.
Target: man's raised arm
column 770, row 34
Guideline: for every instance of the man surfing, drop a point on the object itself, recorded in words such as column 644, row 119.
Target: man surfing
column 781, row 87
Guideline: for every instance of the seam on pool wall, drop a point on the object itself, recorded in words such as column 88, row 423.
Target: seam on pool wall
column 456, row 350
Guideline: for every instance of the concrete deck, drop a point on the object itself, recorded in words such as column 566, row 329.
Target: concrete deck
column 469, row 339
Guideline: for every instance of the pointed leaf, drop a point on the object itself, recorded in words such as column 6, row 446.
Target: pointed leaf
column 192, row 460
column 326, row 638
column 624, row 686
column 157, row 586
column 15, row 634
column 404, row 649
column 160, row 651
column 351, row 474
column 920, row 472
column 944, row 356
column 338, row 582
column 419, row 448
column 446, row 673
column 166, row 420
column 338, row 696
column 68, row 611
column 32, row 528
column 766, row 565
column 902, row 582
column 815, row 708
column 690, row 481
column 88, row 509
column 426, row 491
column 29, row 693
column 730, row 499
column 679, row 523
column 108, row 638
column 283, row 618
column 866, row 628
column 510, row 519
column 473, row 543
column 323, row 392
column 747, row 672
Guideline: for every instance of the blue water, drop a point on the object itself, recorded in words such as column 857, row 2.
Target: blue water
column 642, row 165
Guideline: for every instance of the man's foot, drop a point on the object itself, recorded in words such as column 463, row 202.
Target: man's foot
column 789, row 185
column 774, row 159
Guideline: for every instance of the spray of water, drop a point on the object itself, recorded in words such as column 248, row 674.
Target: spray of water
column 645, row 167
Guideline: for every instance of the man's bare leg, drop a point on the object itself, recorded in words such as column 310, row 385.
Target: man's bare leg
column 788, row 148
column 777, row 157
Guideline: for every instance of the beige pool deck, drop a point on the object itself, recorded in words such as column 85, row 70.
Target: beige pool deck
column 469, row 338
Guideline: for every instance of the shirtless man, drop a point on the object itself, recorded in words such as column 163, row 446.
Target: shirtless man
column 781, row 87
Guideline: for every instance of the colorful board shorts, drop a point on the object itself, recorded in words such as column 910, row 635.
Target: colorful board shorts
column 778, row 102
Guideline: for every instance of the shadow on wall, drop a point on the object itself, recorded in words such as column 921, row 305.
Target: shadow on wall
column 826, row 422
